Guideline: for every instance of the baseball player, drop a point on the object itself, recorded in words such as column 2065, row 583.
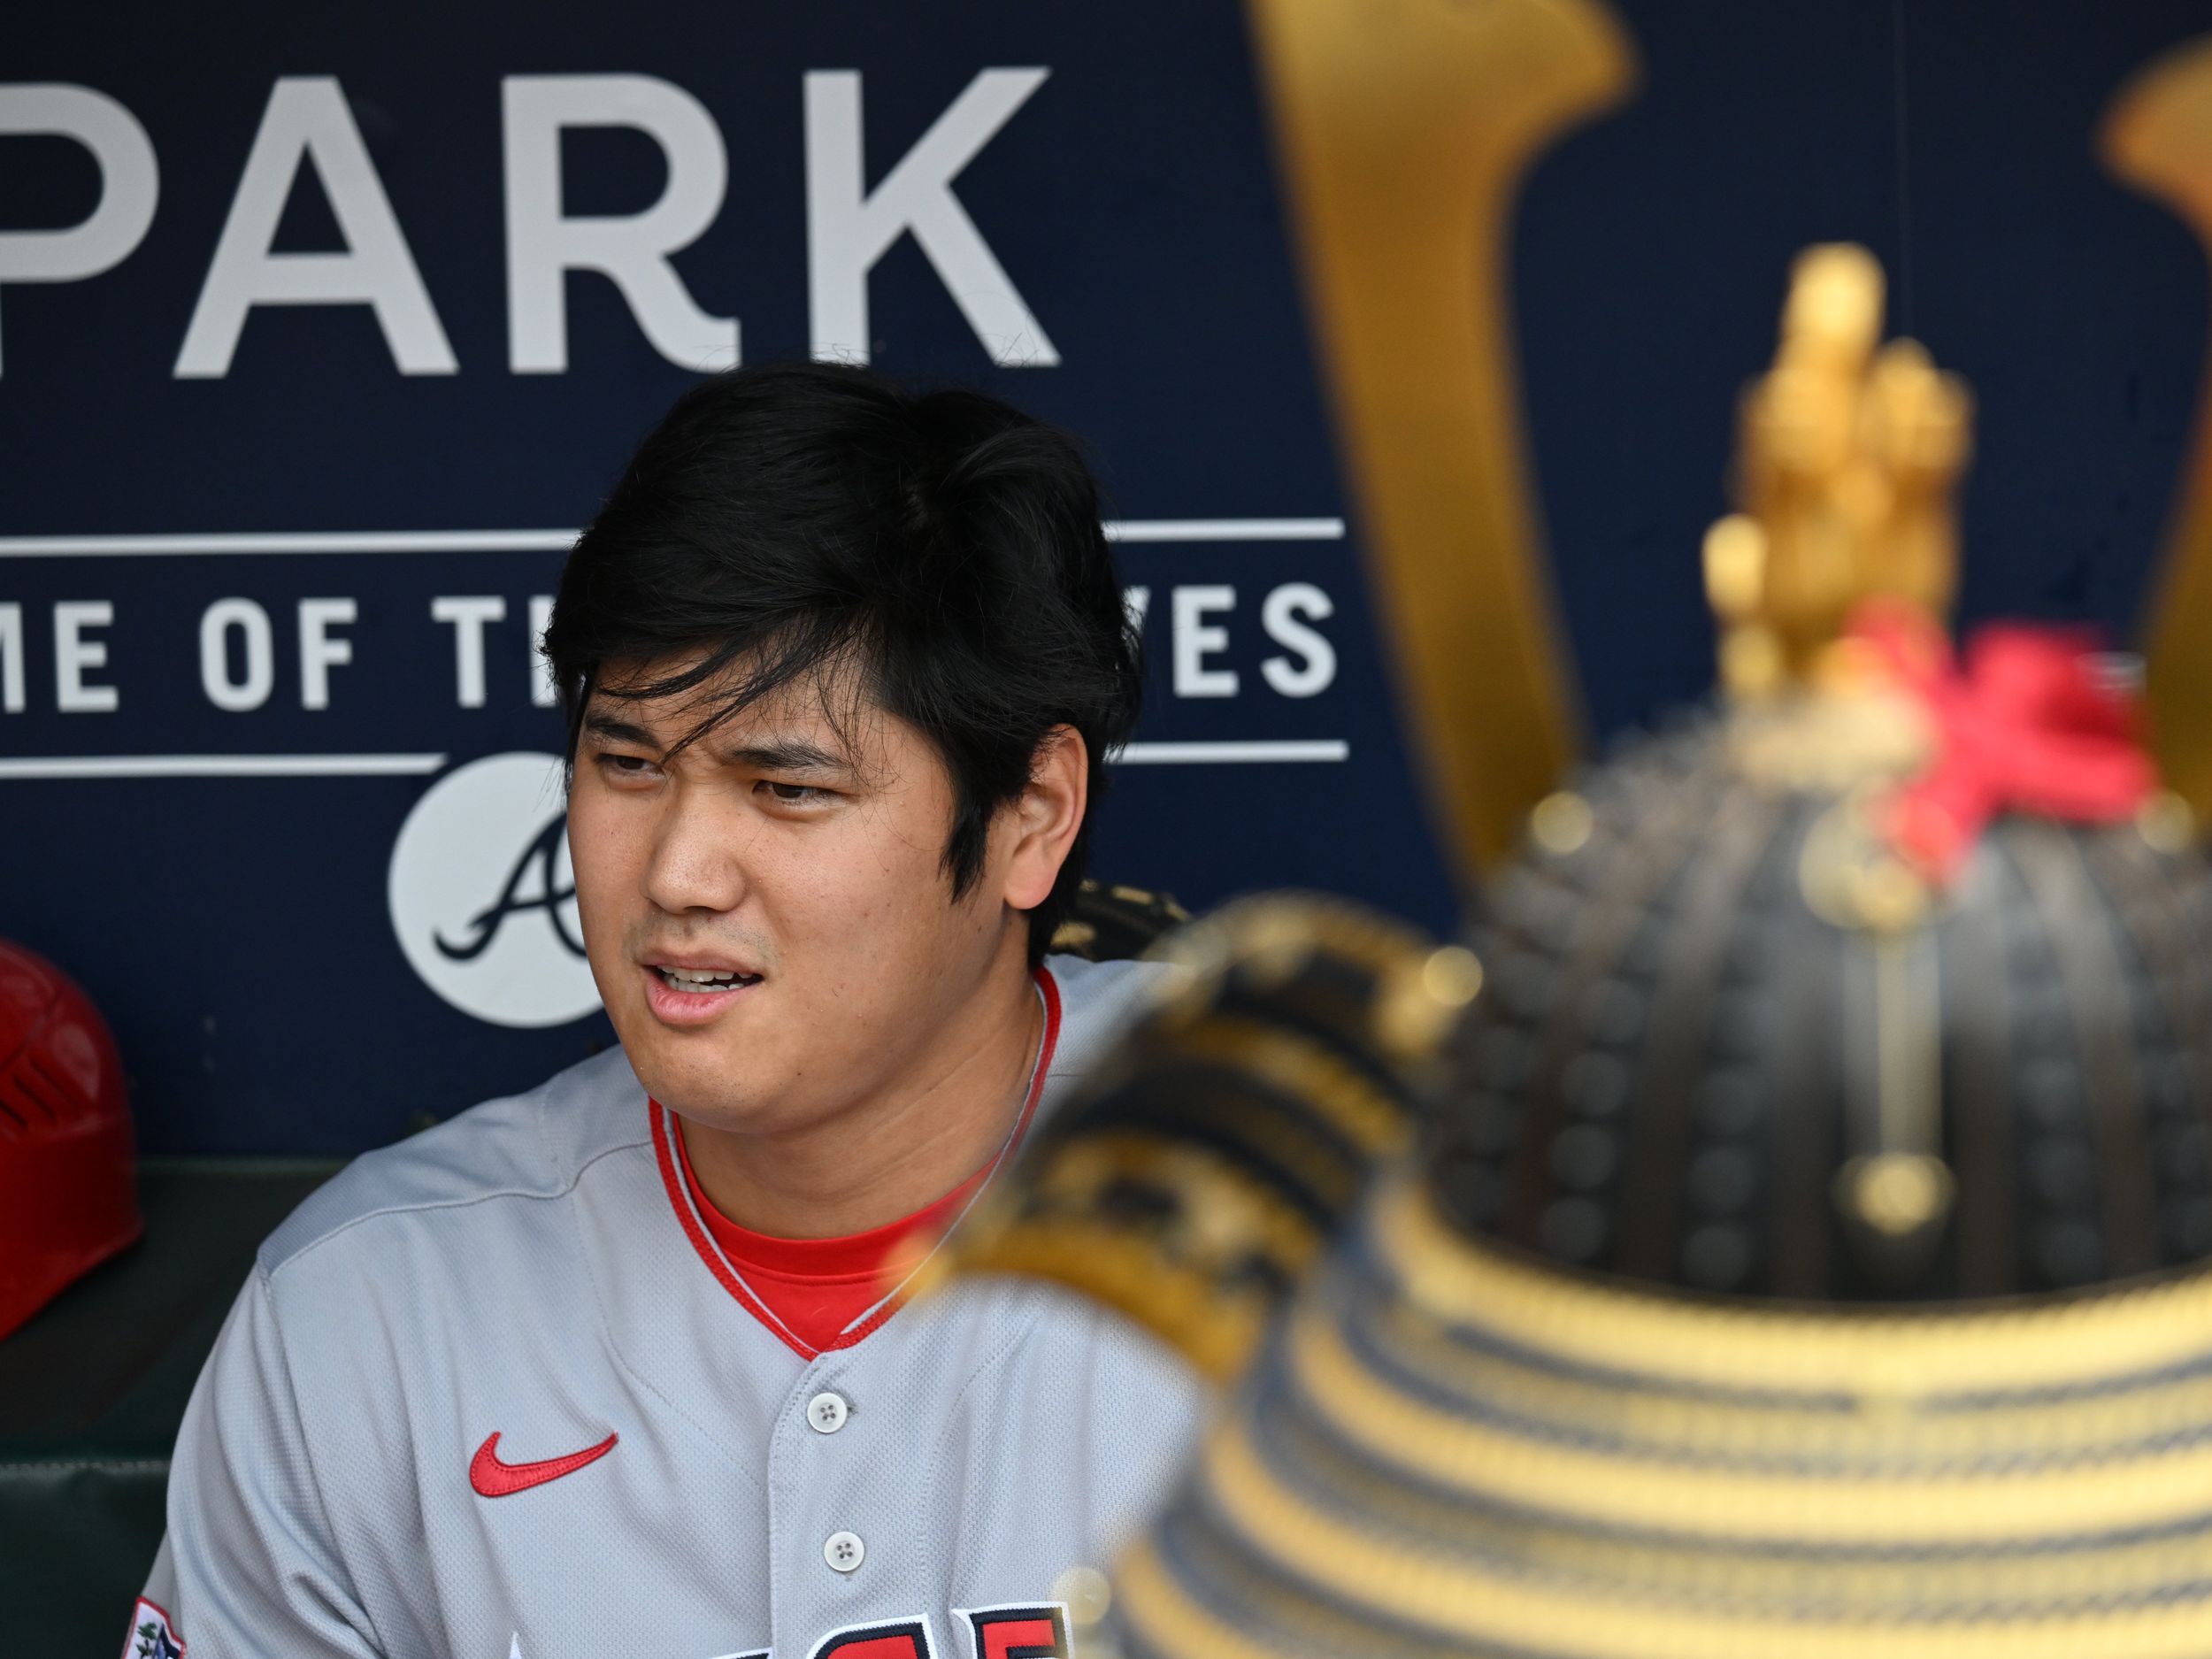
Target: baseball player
column 622, row 1365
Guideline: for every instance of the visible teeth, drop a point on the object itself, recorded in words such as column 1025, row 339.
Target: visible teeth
column 703, row 979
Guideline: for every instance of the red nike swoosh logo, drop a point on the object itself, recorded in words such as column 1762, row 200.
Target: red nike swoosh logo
column 493, row 1478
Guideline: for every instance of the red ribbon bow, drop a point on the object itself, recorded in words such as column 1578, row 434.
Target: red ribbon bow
column 2029, row 727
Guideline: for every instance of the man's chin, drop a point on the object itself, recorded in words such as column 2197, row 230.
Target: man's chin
column 685, row 1091
column 693, row 1075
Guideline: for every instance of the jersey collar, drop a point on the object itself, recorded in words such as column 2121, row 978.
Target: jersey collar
column 685, row 1203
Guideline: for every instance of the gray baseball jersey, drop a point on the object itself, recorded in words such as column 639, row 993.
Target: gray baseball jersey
column 668, row 1479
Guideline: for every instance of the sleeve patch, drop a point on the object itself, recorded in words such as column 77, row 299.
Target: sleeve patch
column 152, row 1634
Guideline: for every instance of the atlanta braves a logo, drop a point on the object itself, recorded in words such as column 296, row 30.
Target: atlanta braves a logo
column 482, row 896
column 1035, row 1630
column 537, row 860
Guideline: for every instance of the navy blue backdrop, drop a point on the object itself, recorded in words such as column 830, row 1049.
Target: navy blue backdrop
column 218, row 712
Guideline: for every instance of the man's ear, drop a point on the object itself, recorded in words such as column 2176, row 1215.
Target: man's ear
column 1047, row 817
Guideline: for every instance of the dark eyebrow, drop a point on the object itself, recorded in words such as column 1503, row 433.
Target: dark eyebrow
column 777, row 754
column 787, row 754
column 620, row 731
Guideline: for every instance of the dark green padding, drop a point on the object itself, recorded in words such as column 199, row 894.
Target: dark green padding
column 92, row 1389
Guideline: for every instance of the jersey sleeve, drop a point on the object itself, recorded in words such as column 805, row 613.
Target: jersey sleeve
column 249, row 1569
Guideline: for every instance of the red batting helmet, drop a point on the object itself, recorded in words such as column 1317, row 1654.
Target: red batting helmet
column 67, row 1197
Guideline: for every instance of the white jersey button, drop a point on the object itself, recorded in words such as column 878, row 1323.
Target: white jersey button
column 827, row 1413
column 844, row 1551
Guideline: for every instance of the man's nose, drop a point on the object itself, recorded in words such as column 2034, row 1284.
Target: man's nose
column 698, row 855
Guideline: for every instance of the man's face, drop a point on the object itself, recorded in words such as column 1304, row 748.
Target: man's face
column 767, row 912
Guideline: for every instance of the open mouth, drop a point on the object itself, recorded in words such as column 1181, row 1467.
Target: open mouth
column 704, row 982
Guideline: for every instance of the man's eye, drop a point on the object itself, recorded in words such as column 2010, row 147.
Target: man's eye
column 626, row 765
column 792, row 793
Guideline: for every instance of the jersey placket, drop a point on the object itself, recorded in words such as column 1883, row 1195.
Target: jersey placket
column 833, row 1567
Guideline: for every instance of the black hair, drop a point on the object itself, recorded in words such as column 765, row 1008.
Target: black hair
column 806, row 517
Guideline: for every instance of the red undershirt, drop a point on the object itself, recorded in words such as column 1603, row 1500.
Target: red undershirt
column 816, row 1288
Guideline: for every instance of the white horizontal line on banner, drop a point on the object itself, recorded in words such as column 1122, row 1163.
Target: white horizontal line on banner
column 1290, row 748
column 63, row 766
column 68, row 766
column 51, row 546
column 1224, row 530
column 37, row 546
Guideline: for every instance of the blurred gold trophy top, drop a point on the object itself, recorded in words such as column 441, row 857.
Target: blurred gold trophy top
column 1849, row 452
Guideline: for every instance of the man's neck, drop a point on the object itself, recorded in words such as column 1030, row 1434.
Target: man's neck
column 896, row 1152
